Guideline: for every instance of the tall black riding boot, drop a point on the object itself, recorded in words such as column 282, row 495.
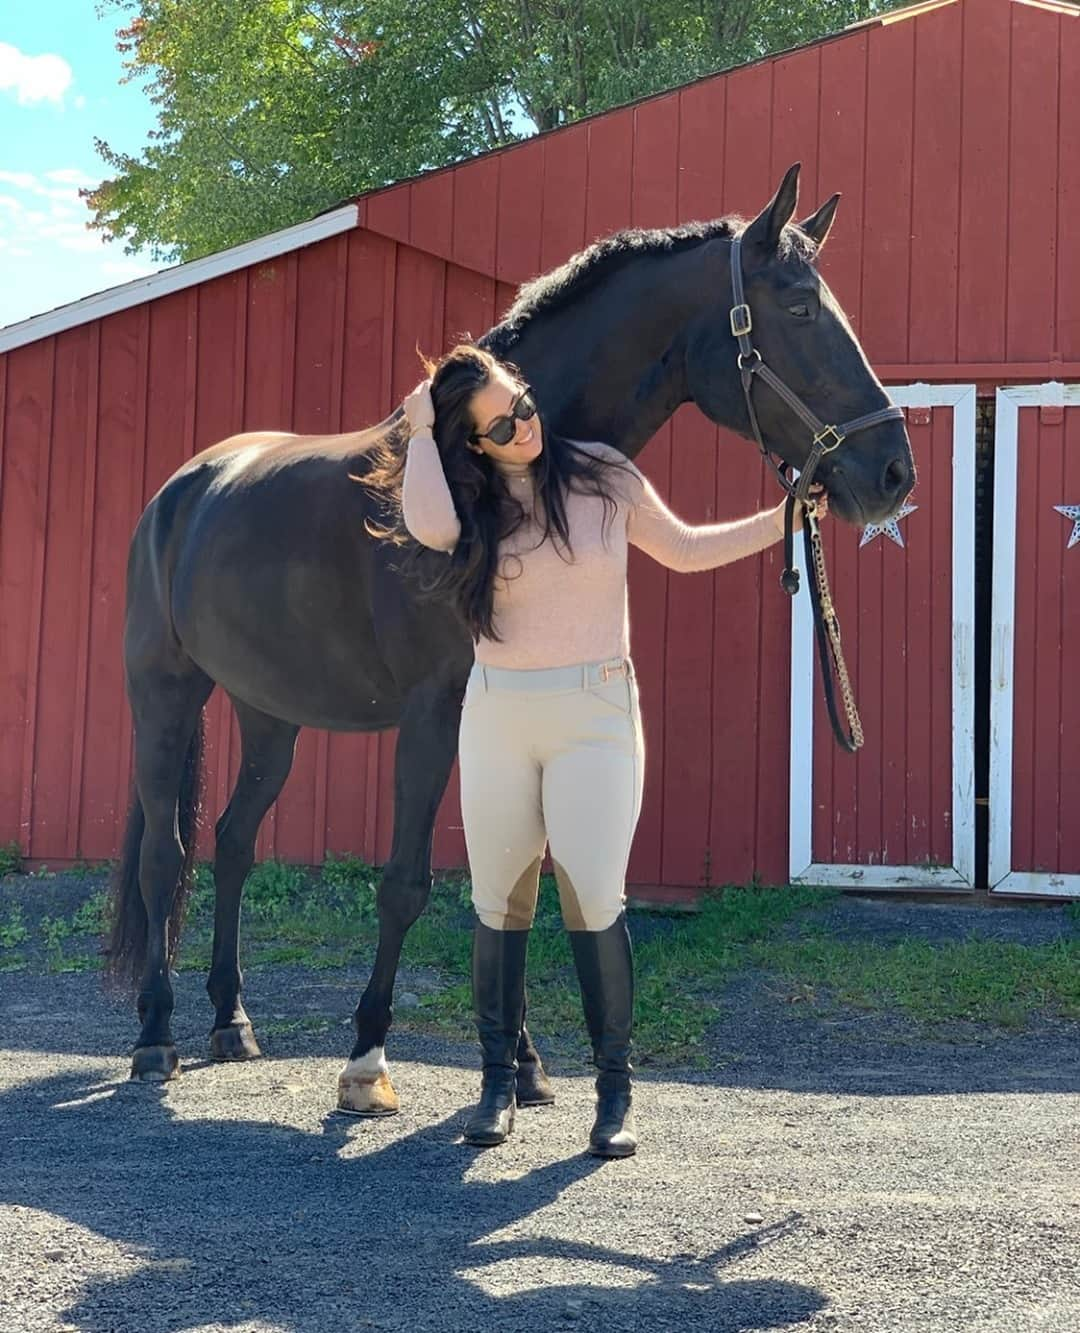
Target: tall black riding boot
column 605, row 968
column 498, row 994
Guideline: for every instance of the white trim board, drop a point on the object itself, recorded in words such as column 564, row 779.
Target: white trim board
column 961, row 874
column 1003, row 878
column 176, row 279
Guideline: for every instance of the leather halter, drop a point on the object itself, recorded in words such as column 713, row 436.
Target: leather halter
column 752, row 366
column 825, row 439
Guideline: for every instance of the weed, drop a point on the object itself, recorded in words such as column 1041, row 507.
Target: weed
column 13, row 931
column 10, row 858
column 55, row 930
column 353, row 883
column 92, row 917
column 272, row 888
column 90, row 869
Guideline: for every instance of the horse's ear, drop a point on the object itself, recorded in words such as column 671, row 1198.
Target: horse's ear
column 770, row 222
column 817, row 226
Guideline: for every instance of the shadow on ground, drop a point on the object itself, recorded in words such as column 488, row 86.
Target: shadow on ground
column 241, row 1221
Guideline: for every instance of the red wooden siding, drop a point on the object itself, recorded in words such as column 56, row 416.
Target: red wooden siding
column 949, row 251
column 1046, row 702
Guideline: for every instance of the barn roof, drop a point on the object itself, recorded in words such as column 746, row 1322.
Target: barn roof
column 389, row 209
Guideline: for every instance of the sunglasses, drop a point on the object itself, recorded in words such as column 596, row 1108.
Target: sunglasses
column 502, row 429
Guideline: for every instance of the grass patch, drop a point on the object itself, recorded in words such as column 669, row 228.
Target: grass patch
column 981, row 980
column 684, row 961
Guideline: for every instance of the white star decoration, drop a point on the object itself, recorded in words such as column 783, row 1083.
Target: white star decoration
column 1073, row 512
column 889, row 527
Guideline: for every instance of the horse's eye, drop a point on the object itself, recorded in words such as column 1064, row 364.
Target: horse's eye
column 799, row 311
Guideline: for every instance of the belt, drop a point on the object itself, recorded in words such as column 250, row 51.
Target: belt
column 581, row 676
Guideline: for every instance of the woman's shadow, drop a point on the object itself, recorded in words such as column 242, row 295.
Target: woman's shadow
column 242, row 1221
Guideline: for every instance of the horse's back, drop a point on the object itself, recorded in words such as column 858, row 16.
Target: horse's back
column 257, row 551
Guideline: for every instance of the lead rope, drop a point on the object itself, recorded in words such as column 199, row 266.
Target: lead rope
column 827, row 630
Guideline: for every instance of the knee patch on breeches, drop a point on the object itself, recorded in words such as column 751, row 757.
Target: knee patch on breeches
column 585, row 913
column 516, row 910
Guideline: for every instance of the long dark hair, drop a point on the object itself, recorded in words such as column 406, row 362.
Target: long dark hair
column 488, row 511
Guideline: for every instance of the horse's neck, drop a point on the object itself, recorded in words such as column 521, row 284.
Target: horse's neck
column 624, row 392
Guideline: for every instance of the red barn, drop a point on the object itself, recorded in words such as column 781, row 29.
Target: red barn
column 948, row 127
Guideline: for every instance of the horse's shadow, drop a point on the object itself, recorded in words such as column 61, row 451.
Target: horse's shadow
column 242, row 1221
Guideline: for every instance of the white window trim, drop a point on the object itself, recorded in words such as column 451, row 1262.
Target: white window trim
column 961, row 874
column 1003, row 878
column 176, row 279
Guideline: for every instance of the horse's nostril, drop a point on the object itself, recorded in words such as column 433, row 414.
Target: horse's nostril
column 896, row 476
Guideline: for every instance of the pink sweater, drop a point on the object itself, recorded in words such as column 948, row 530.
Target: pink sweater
column 551, row 611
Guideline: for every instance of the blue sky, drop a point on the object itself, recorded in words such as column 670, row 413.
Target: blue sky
column 59, row 90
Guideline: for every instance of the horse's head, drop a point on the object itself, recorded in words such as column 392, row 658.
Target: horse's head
column 804, row 338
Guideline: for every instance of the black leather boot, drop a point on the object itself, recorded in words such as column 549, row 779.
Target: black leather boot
column 534, row 1088
column 605, row 968
column 498, row 995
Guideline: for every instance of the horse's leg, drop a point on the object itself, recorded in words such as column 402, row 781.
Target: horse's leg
column 166, row 708
column 268, row 745
column 426, row 746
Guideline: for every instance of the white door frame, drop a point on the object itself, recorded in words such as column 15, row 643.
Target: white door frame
column 1001, row 875
column 961, row 874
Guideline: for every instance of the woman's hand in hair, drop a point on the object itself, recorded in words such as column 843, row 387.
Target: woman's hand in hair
column 419, row 409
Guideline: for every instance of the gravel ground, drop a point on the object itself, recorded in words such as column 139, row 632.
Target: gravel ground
column 834, row 1173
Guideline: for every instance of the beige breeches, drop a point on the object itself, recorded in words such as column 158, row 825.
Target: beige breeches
column 550, row 757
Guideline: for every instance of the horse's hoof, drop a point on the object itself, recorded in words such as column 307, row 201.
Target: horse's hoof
column 366, row 1090
column 234, row 1043
column 155, row 1064
column 534, row 1088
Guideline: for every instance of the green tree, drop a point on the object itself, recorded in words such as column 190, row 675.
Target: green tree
column 270, row 112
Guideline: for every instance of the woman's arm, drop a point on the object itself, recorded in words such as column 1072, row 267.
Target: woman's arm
column 426, row 503
column 679, row 546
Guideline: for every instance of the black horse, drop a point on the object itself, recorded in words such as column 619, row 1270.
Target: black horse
column 252, row 569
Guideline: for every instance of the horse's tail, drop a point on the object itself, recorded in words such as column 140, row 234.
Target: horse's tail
column 126, row 950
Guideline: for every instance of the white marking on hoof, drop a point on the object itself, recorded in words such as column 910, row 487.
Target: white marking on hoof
column 364, row 1086
column 367, row 1066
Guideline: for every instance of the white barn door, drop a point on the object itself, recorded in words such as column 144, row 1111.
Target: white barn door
column 900, row 814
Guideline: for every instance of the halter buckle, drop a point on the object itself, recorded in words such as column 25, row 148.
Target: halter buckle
column 837, row 440
column 741, row 322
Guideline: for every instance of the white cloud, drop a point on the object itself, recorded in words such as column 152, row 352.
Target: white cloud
column 31, row 79
column 70, row 176
column 25, row 180
column 46, row 216
column 49, row 255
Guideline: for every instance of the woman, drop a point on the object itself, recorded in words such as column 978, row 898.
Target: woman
column 533, row 531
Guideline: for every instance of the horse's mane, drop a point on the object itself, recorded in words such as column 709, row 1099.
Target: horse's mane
column 554, row 291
